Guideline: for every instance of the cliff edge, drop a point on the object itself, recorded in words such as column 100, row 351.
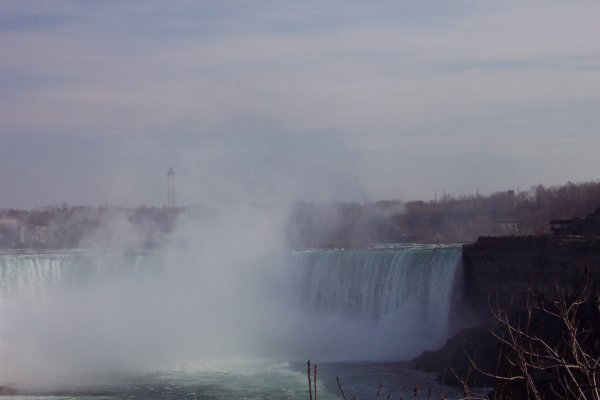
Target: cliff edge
column 499, row 271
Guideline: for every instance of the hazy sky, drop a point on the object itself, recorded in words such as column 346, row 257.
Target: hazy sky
column 305, row 99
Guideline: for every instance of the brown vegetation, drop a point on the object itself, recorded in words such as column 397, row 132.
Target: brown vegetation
column 450, row 220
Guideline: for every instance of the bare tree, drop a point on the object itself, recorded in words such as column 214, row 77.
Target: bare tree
column 552, row 351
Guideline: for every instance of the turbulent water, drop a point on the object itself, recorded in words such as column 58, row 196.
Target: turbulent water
column 152, row 325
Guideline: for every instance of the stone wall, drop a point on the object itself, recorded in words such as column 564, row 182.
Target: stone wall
column 500, row 270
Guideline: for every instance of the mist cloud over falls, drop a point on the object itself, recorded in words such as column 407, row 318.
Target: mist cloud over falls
column 228, row 289
column 203, row 297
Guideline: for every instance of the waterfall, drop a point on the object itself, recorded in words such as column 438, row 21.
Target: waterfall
column 399, row 296
column 135, row 310
column 72, row 317
column 33, row 275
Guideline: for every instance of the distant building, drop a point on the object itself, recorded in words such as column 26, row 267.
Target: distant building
column 588, row 226
column 8, row 222
column 506, row 227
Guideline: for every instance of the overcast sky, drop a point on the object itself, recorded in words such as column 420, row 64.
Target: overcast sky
column 313, row 100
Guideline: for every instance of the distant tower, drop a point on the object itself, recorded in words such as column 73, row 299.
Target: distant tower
column 170, row 188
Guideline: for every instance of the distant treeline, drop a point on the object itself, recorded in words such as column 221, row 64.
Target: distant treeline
column 449, row 220
column 62, row 226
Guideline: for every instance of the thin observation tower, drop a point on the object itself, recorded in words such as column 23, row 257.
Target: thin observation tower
column 170, row 188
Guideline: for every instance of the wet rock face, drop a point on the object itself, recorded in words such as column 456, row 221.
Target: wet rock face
column 451, row 363
column 499, row 271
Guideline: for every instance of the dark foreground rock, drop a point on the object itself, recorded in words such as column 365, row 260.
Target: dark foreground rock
column 481, row 355
column 451, row 361
column 521, row 279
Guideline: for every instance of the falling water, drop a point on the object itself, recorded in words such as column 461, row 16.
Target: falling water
column 390, row 303
column 68, row 312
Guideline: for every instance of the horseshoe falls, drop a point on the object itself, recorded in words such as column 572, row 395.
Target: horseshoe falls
column 131, row 325
column 380, row 304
